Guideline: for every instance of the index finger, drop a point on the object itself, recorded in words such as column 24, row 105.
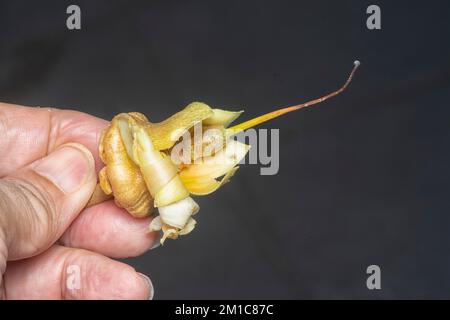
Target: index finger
column 30, row 133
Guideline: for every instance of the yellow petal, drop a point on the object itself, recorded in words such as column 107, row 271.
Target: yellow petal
column 217, row 165
column 221, row 117
column 164, row 134
column 204, row 187
column 172, row 192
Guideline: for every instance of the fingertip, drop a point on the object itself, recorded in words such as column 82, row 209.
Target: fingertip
column 75, row 274
column 106, row 279
column 148, row 289
column 44, row 197
column 119, row 281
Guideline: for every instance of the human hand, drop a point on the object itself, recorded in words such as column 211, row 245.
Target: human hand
column 48, row 171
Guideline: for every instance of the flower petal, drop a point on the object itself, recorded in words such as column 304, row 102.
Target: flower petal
column 204, row 187
column 215, row 166
column 164, row 134
column 221, row 117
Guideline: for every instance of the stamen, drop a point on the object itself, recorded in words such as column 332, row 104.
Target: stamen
column 274, row 114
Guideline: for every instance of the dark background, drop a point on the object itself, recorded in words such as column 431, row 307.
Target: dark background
column 363, row 178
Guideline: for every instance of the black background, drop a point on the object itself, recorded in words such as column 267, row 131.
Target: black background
column 363, row 178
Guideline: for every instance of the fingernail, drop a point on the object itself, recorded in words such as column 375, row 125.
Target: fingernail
column 68, row 167
column 150, row 285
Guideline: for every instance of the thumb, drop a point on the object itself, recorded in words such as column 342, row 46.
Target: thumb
column 39, row 201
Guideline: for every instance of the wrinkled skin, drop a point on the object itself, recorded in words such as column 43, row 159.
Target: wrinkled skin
column 44, row 228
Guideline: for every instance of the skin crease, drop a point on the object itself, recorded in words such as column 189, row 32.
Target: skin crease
column 44, row 228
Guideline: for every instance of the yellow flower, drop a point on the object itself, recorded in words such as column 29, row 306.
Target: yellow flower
column 142, row 173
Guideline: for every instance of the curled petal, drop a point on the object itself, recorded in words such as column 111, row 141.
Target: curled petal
column 177, row 214
column 190, row 225
column 166, row 133
column 205, row 187
column 217, row 165
column 121, row 175
column 155, row 225
column 221, row 117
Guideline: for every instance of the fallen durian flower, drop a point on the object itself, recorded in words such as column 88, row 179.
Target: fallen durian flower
column 141, row 174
